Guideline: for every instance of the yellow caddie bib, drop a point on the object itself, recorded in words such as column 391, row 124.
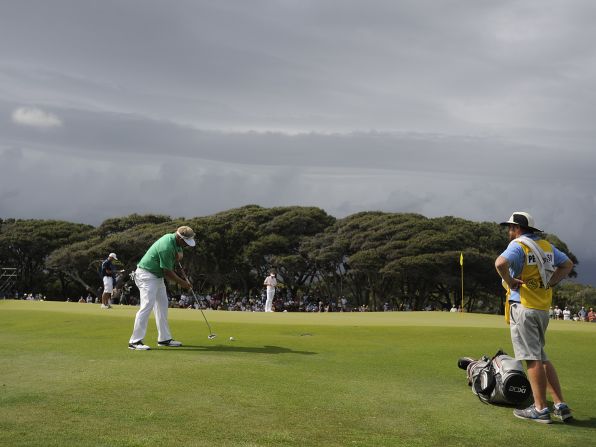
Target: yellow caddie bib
column 533, row 293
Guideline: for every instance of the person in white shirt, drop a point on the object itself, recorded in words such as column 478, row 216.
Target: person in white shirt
column 270, row 282
column 566, row 314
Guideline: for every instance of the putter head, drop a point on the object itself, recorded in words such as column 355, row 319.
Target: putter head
column 211, row 336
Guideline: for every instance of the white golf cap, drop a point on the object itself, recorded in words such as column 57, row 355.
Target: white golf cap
column 113, row 255
column 522, row 219
column 187, row 234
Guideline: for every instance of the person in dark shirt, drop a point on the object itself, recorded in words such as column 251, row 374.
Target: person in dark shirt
column 108, row 274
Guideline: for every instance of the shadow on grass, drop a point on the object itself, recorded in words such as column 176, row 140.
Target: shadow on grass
column 586, row 423
column 249, row 350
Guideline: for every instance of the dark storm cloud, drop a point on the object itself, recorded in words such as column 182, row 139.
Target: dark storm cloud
column 104, row 136
column 453, row 107
column 312, row 65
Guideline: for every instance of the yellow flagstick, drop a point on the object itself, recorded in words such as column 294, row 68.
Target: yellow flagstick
column 461, row 263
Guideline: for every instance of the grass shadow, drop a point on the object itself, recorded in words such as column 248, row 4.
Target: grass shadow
column 585, row 423
column 246, row 349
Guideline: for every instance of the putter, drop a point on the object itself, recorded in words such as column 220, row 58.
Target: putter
column 211, row 335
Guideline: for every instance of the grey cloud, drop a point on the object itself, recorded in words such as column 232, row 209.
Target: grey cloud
column 311, row 65
column 93, row 135
column 454, row 107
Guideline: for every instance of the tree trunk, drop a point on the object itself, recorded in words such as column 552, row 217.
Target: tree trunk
column 75, row 276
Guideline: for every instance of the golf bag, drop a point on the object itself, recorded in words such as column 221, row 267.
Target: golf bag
column 500, row 380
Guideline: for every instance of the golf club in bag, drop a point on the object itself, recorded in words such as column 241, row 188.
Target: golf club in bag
column 211, row 335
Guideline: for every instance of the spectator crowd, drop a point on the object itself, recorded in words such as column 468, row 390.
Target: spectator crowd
column 255, row 302
column 567, row 314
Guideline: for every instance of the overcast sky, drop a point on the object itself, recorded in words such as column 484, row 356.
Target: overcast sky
column 468, row 108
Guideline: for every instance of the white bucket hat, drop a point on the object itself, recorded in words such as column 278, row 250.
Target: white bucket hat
column 187, row 234
column 522, row 219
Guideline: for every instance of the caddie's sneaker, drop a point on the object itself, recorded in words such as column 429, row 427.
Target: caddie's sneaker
column 563, row 413
column 138, row 346
column 104, row 306
column 533, row 414
column 170, row 343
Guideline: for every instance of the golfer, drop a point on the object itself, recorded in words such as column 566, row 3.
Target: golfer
column 529, row 299
column 108, row 276
column 270, row 282
column 159, row 262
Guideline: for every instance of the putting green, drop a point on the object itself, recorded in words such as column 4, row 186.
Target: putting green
column 288, row 379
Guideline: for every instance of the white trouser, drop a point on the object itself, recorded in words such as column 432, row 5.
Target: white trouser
column 153, row 296
column 270, row 295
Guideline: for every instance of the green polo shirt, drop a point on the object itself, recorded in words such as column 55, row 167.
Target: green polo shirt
column 161, row 255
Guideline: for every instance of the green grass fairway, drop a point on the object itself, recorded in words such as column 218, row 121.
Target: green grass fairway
column 378, row 379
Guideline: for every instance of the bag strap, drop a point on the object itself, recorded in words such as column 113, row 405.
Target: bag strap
column 545, row 267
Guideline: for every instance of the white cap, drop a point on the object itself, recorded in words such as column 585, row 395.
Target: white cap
column 113, row 255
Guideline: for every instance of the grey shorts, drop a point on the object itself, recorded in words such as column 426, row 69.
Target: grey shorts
column 528, row 328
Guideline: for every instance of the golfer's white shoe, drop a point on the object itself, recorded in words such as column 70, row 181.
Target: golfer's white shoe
column 138, row 346
column 170, row 343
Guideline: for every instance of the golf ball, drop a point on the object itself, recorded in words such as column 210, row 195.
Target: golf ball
column 232, row 339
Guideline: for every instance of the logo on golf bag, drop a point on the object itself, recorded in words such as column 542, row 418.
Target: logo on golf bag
column 517, row 389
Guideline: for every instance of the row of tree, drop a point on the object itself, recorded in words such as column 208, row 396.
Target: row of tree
column 369, row 258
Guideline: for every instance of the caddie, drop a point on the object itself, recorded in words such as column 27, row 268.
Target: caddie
column 529, row 268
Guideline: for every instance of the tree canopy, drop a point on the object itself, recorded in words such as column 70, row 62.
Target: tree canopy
column 371, row 258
